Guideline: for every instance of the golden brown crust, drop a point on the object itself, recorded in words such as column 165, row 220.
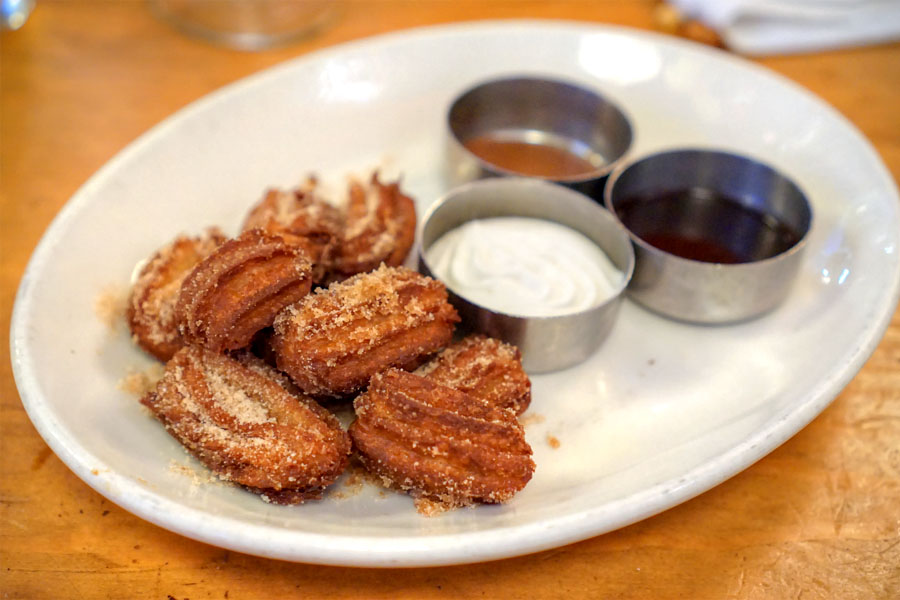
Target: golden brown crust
column 483, row 367
column 302, row 219
column 380, row 227
column 241, row 422
column 238, row 289
column 440, row 443
column 151, row 305
column 333, row 341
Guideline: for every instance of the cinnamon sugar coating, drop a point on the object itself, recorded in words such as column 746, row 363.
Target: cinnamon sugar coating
column 151, row 306
column 240, row 419
column 483, row 367
column 238, row 289
column 331, row 342
column 439, row 443
column 380, row 227
column 302, row 219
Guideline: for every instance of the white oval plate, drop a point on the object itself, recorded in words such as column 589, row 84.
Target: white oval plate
column 663, row 412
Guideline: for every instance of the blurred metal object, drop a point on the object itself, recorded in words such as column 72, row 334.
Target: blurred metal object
column 547, row 343
column 701, row 290
column 536, row 111
column 246, row 24
column 670, row 19
column 14, row 13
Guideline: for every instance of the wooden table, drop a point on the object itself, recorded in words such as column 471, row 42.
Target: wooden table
column 818, row 518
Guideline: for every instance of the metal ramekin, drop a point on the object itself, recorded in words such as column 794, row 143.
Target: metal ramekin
column 538, row 110
column 546, row 343
column 710, row 292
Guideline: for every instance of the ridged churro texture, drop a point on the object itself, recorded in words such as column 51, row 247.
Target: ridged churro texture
column 241, row 420
column 379, row 227
column 151, row 306
column 483, row 367
column 439, row 443
column 238, row 289
column 334, row 340
column 302, row 219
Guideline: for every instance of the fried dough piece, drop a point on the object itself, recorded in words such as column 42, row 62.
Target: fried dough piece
column 241, row 421
column 333, row 341
column 238, row 289
column 439, row 443
column 380, row 227
column 151, row 306
column 302, row 219
column 485, row 368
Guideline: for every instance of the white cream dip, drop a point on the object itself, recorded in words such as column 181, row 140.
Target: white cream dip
column 524, row 266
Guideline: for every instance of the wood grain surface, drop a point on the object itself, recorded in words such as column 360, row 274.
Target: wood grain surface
column 818, row 518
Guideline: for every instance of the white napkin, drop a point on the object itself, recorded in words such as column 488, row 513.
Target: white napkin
column 786, row 26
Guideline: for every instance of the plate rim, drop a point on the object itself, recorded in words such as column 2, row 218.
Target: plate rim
column 447, row 548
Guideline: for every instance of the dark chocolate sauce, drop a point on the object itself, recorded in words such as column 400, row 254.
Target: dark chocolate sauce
column 700, row 224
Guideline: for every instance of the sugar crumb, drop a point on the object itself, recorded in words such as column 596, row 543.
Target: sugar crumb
column 110, row 306
column 197, row 478
column 139, row 383
column 354, row 480
column 553, row 442
column 430, row 508
column 532, row 419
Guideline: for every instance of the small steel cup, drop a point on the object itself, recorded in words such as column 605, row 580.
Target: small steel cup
column 538, row 112
column 682, row 278
column 546, row 343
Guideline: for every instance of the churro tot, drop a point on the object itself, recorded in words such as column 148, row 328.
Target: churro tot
column 380, row 227
column 151, row 305
column 302, row 219
column 439, row 443
column 238, row 289
column 483, row 367
column 333, row 341
column 240, row 419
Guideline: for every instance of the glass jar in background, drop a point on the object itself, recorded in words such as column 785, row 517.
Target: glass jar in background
column 14, row 13
column 246, row 24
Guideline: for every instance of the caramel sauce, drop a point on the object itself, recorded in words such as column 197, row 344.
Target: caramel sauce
column 536, row 160
column 700, row 224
